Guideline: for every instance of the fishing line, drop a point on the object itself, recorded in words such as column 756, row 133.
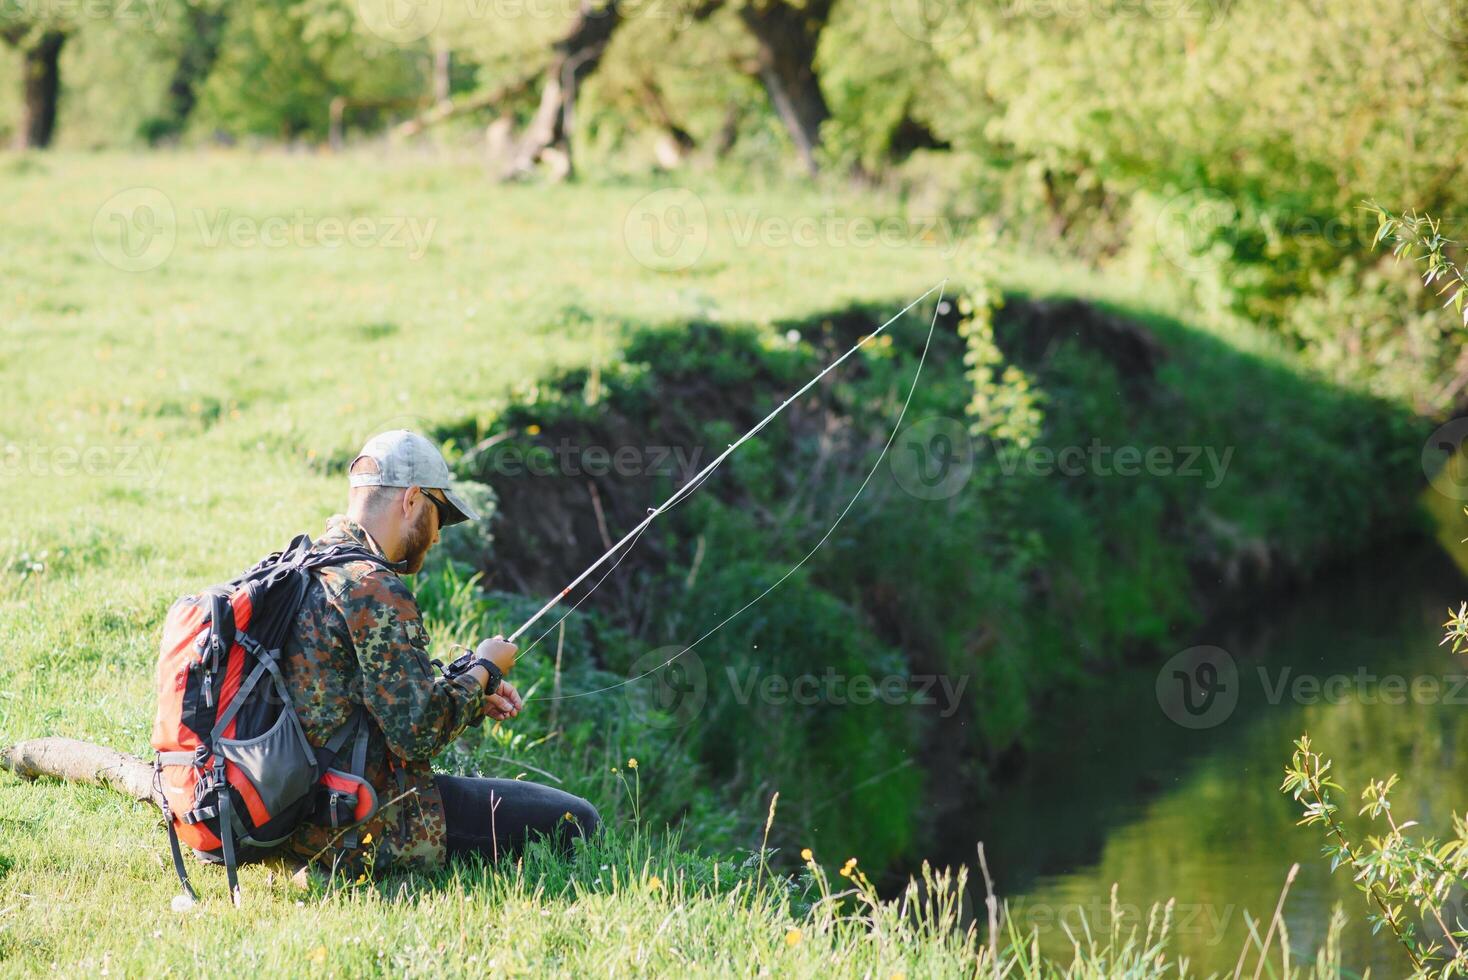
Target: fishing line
column 645, row 525
column 687, row 488
column 579, row 601
column 880, row 457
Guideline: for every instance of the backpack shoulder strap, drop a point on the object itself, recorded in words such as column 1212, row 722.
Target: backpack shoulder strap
column 340, row 554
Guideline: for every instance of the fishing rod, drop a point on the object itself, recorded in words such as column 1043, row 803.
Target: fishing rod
column 698, row 478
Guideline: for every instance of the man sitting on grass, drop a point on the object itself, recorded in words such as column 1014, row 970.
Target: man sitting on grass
column 359, row 640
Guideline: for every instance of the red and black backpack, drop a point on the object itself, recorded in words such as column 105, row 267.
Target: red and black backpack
column 234, row 770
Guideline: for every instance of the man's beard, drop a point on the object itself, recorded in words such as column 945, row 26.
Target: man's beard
column 417, row 543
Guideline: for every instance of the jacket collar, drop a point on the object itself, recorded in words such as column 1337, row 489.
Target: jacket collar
column 341, row 529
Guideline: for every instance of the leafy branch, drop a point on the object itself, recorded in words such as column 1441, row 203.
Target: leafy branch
column 1308, row 781
column 1419, row 238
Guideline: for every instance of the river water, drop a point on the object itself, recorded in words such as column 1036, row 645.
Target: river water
column 1119, row 791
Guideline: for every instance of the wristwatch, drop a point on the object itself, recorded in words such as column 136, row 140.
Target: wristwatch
column 495, row 674
column 469, row 661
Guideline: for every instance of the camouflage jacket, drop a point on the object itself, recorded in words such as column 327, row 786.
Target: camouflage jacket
column 359, row 640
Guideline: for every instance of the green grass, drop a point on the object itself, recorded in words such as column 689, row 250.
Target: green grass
column 212, row 391
column 211, row 401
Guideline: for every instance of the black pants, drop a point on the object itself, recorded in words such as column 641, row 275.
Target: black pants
column 496, row 817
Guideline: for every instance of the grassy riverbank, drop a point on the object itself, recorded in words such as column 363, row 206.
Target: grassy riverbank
column 178, row 406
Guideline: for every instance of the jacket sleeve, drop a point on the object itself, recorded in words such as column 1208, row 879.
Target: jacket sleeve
column 418, row 709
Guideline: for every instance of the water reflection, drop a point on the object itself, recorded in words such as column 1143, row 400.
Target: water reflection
column 1120, row 793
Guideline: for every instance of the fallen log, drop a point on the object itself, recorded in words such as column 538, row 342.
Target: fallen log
column 76, row 761
column 81, row 762
column 446, row 109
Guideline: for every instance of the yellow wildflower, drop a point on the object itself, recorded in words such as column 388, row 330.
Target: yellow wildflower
column 655, row 883
column 631, row 763
column 367, row 839
column 805, row 854
column 533, row 430
column 792, row 938
column 318, row 955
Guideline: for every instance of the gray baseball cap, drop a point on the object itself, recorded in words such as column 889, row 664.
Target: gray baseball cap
column 406, row 459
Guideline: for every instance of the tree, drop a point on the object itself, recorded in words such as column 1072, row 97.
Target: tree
column 575, row 56
column 40, row 45
column 204, row 23
column 787, row 35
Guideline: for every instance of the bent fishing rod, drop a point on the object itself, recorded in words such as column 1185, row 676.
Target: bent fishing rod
column 688, row 487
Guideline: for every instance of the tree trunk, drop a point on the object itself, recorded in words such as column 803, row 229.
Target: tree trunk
column 548, row 136
column 81, row 762
column 195, row 62
column 674, row 143
column 443, row 67
column 42, row 73
column 787, row 38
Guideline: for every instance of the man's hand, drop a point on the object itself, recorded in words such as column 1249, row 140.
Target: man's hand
column 500, row 651
column 504, row 704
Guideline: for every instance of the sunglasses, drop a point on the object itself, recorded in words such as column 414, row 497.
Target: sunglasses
column 442, row 506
